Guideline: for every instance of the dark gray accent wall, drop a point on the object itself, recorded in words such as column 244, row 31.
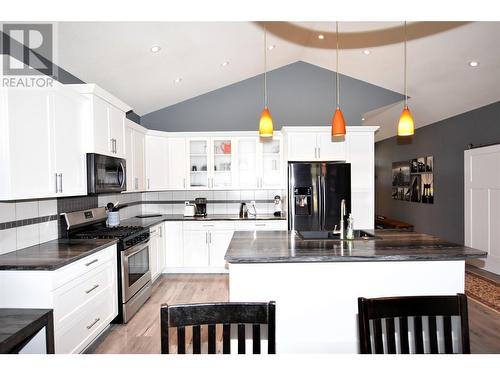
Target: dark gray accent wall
column 298, row 94
column 446, row 140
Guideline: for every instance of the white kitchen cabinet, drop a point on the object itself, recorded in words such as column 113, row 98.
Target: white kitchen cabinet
column 135, row 150
column 218, row 242
column 314, row 144
column 41, row 144
column 177, row 175
column 205, row 245
column 211, row 163
column 196, row 248
column 174, row 239
column 68, row 151
column 156, row 162
column 82, row 294
column 157, row 250
column 247, row 167
column 105, row 132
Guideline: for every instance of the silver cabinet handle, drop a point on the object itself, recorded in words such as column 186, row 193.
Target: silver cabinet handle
column 206, row 237
column 260, row 225
column 319, row 152
column 209, row 237
column 91, row 262
column 111, row 145
column 149, row 184
column 184, row 182
column 61, row 184
column 57, row 183
column 315, row 152
column 208, row 225
column 93, row 323
column 91, row 289
column 114, row 142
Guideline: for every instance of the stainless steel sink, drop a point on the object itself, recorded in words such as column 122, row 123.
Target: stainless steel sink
column 328, row 235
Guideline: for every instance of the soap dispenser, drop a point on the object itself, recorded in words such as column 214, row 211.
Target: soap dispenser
column 350, row 228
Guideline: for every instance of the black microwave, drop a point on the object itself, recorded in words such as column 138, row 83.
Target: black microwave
column 105, row 174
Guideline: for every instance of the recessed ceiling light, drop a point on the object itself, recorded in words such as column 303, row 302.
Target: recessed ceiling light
column 271, row 47
column 321, row 37
column 155, row 49
column 224, row 64
column 367, row 51
column 362, row 119
column 177, row 80
column 473, row 64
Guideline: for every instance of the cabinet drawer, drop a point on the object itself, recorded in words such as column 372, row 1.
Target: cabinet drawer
column 261, row 225
column 72, row 296
column 74, row 270
column 209, row 225
column 79, row 331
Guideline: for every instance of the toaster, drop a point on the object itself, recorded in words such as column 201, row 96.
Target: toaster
column 189, row 209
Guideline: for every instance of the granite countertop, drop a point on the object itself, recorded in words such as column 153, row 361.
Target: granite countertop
column 18, row 325
column 388, row 245
column 49, row 256
column 151, row 221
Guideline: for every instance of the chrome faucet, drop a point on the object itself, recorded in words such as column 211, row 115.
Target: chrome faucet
column 342, row 215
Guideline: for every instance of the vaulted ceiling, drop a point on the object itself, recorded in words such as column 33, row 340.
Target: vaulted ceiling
column 117, row 56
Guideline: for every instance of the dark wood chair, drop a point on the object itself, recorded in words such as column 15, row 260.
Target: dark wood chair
column 210, row 314
column 375, row 314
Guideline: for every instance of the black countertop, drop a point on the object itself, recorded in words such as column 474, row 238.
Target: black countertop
column 152, row 221
column 389, row 245
column 49, row 256
column 19, row 325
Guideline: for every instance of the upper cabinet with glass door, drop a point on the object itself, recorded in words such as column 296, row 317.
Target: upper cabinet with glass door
column 247, row 150
column 222, row 164
column 271, row 164
column 198, row 163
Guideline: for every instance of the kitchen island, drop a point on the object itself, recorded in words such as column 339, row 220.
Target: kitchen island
column 316, row 283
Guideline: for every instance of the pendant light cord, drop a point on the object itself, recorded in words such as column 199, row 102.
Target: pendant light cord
column 265, row 67
column 337, row 63
column 406, row 89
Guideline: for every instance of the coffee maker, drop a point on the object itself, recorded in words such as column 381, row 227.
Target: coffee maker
column 201, row 207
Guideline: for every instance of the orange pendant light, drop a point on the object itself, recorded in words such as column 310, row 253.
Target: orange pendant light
column 266, row 121
column 405, row 125
column 338, row 122
column 266, row 124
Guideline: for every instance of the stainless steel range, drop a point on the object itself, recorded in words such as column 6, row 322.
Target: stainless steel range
column 134, row 274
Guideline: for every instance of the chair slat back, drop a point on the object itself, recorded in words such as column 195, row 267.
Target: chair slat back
column 211, row 315
column 420, row 324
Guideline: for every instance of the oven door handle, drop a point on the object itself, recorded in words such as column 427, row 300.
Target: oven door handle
column 128, row 253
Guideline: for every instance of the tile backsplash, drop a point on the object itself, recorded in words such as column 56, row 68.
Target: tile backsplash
column 30, row 222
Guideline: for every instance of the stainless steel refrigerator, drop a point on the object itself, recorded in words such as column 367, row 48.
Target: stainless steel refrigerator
column 315, row 192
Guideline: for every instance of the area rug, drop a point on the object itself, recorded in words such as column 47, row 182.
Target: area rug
column 483, row 290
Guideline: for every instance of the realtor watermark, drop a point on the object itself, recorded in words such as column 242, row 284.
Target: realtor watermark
column 27, row 50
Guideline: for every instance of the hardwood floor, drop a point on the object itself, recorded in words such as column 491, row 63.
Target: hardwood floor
column 142, row 333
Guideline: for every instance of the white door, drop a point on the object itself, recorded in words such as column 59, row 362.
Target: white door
column 68, row 146
column 174, row 244
column 139, row 161
column 153, row 255
column 102, row 139
column 129, row 158
column 28, row 131
column 330, row 148
column 198, row 164
column 196, row 248
column 482, row 204
column 247, row 176
column 222, row 163
column 177, row 163
column 116, row 120
column 302, row 146
column 219, row 242
column 270, row 168
column 157, row 163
